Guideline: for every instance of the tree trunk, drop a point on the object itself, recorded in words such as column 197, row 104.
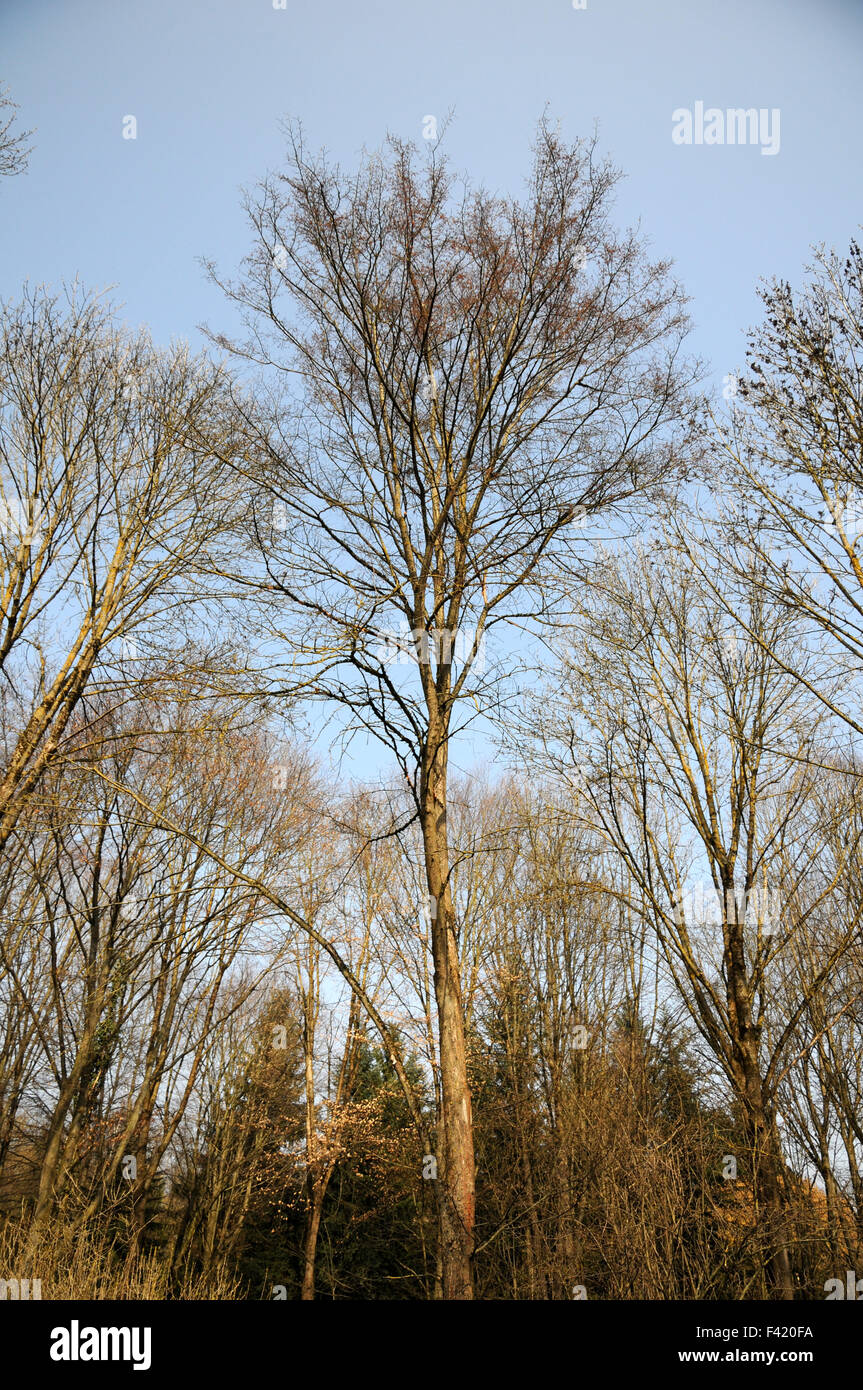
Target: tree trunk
column 58, row 1140
column 761, row 1134
column 457, row 1193
column 310, row 1244
column 768, row 1177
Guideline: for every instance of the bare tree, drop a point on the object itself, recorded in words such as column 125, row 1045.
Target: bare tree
column 790, row 460
column 14, row 149
column 691, row 748
column 822, row 1083
column 112, row 488
column 475, row 376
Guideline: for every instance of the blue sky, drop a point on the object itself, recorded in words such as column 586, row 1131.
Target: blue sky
column 208, row 81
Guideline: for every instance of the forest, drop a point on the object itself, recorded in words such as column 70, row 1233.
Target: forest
column 430, row 804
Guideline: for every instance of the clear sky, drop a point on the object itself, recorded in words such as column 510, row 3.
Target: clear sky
column 208, row 80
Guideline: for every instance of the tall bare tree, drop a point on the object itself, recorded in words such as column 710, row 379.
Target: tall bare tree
column 474, row 376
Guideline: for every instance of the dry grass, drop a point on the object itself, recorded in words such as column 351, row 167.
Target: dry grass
column 75, row 1263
